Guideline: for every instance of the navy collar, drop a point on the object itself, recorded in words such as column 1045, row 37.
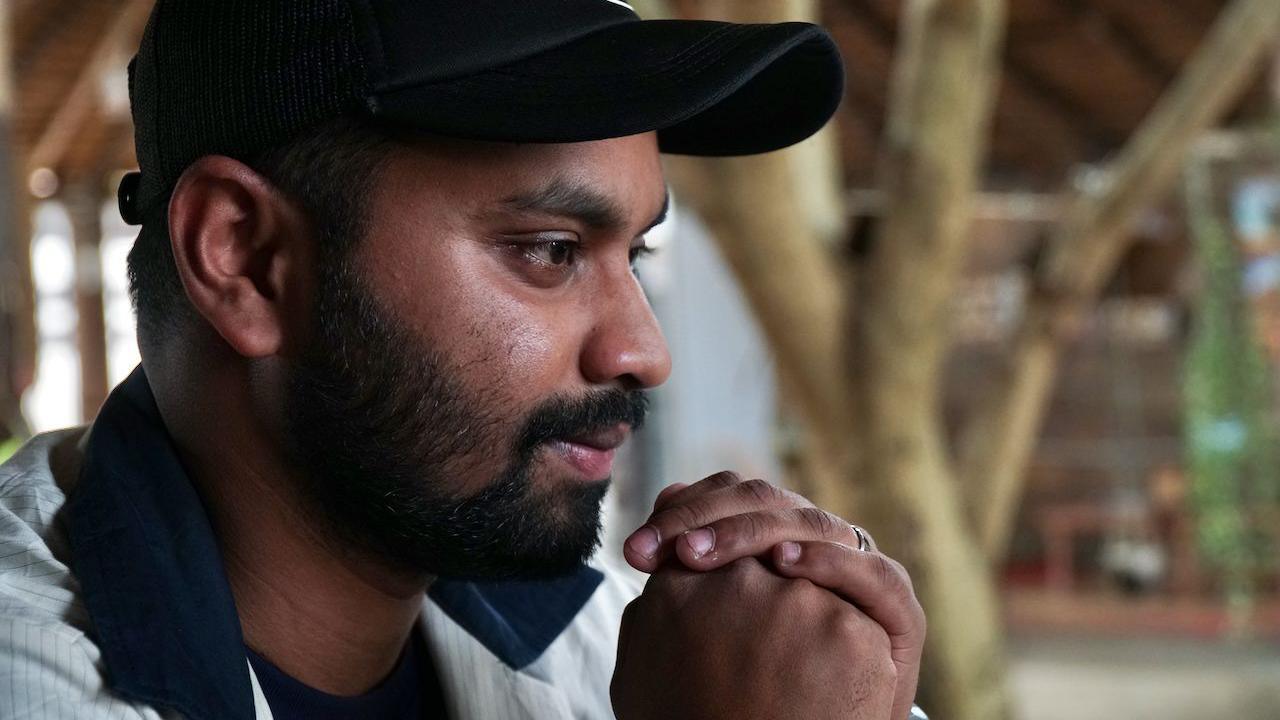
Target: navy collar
column 162, row 611
column 150, row 570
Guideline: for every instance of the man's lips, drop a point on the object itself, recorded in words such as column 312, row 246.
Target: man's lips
column 591, row 453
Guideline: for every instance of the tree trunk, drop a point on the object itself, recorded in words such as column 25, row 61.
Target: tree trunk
column 941, row 106
column 1084, row 251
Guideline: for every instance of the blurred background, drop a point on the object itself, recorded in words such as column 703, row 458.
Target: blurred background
column 1017, row 311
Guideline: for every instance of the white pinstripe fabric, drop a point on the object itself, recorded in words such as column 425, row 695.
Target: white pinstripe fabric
column 49, row 668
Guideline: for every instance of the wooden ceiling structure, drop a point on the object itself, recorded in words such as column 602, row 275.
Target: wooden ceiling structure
column 68, row 61
column 1079, row 77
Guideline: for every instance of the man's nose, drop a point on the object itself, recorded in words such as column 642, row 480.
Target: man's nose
column 626, row 346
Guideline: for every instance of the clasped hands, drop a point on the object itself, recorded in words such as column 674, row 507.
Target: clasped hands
column 760, row 605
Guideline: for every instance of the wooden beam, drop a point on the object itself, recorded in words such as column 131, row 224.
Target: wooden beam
column 1054, row 112
column 1129, row 40
column 40, row 25
column 1085, row 249
column 61, row 130
column 1003, row 206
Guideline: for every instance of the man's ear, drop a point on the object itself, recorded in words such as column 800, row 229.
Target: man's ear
column 243, row 252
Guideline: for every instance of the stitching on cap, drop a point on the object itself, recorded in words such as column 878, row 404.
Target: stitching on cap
column 694, row 50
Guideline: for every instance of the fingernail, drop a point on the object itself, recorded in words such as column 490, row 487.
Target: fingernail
column 644, row 542
column 790, row 553
column 701, row 541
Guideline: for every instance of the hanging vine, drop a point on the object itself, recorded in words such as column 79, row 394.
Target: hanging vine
column 1230, row 425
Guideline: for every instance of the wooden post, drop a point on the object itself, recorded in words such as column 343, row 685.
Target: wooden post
column 84, row 207
column 942, row 101
column 17, row 297
column 1084, row 251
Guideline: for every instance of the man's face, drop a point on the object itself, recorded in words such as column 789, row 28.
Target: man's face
column 479, row 354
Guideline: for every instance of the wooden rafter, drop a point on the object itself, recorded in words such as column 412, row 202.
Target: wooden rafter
column 1130, row 41
column 1058, row 100
column 39, row 31
column 53, row 141
column 1069, row 114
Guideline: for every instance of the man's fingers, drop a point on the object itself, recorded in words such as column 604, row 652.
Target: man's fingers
column 755, row 533
column 667, row 492
column 710, row 483
column 876, row 583
column 649, row 546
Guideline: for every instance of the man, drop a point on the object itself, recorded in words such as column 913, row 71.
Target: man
column 391, row 339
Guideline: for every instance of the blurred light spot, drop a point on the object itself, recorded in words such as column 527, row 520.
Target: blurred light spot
column 43, row 183
column 53, row 264
column 57, row 318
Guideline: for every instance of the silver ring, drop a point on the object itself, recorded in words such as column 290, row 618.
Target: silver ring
column 864, row 542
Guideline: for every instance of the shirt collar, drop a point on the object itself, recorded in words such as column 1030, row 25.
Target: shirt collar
column 149, row 568
column 152, row 577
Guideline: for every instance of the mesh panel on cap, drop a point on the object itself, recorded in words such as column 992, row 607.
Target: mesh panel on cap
column 234, row 77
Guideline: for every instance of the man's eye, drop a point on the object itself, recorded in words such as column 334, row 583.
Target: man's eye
column 640, row 252
column 554, row 252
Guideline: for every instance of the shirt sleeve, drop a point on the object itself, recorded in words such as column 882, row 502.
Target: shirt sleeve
column 46, row 672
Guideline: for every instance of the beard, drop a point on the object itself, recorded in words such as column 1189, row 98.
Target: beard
column 382, row 426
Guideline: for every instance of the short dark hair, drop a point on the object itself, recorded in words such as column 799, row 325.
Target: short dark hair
column 329, row 170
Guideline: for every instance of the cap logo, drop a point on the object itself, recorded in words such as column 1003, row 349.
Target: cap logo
column 622, row 3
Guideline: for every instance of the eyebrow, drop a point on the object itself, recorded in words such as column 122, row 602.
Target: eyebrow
column 584, row 203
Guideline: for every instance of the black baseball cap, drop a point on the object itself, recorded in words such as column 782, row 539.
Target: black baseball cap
column 235, row 77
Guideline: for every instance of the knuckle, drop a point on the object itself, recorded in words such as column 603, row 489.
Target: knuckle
column 666, row 591
column 904, row 577
column 820, row 522
column 880, row 657
column 846, row 625
column 692, row 515
column 890, row 573
column 759, row 490
column 804, row 596
column 751, row 527
column 743, row 569
column 722, row 479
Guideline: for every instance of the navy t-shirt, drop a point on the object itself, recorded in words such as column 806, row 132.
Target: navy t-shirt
column 410, row 692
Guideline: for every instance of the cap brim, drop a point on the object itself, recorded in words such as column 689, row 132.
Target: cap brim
column 707, row 88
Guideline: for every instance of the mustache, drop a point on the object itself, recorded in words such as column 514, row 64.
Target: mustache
column 566, row 417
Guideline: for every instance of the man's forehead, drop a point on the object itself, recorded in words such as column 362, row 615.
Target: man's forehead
column 591, row 204
column 612, row 183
